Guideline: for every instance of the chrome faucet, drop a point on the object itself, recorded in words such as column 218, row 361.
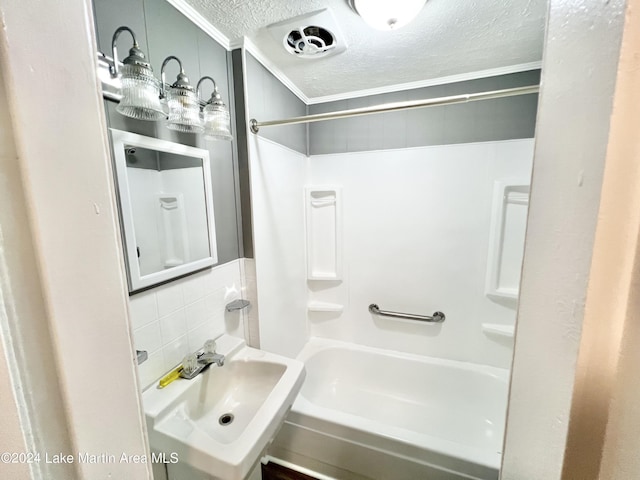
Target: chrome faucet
column 209, row 358
column 197, row 362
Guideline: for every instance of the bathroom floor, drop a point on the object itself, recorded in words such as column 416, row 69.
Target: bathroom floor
column 273, row 471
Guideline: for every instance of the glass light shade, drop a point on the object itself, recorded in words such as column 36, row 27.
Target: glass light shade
column 184, row 111
column 217, row 122
column 140, row 94
column 386, row 14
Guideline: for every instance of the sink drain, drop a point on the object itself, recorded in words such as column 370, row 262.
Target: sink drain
column 226, row 419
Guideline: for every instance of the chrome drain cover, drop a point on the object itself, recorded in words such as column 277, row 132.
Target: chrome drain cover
column 226, row 419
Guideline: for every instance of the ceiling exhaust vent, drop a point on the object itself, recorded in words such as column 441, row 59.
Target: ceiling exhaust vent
column 309, row 36
column 310, row 42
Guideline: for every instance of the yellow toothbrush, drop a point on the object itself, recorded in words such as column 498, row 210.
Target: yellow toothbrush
column 170, row 377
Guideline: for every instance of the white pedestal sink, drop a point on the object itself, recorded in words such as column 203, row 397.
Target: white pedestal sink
column 221, row 421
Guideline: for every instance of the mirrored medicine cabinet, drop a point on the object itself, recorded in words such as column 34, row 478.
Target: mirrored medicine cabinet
column 166, row 208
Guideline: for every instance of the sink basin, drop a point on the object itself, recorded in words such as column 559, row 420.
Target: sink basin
column 221, row 421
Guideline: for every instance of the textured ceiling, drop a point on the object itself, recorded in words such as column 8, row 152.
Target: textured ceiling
column 449, row 37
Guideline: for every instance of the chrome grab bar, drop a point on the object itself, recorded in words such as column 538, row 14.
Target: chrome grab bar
column 438, row 317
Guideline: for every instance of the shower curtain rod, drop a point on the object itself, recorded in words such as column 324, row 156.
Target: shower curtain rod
column 392, row 107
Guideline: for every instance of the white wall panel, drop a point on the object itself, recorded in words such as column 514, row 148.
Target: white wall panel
column 415, row 235
column 416, row 232
column 278, row 176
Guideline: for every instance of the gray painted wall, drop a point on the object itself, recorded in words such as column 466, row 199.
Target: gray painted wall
column 499, row 119
column 162, row 31
column 242, row 151
column 269, row 99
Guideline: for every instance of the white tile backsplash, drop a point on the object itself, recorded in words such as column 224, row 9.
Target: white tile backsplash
column 216, row 324
column 173, row 326
column 196, row 314
column 175, row 319
column 200, row 334
column 213, row 299
column 149, row 336
column 170, row 298
column 195, row 289
column 175, row 351
column 234, row 323
column 152, row 369
column 144, row 309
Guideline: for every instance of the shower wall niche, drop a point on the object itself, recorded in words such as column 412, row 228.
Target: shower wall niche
column 323, row 211
column 506, row 241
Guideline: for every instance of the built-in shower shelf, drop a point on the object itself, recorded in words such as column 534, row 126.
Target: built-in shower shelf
column 324, row 307
column 497, row 329
column 323, row 212
column 506, row 241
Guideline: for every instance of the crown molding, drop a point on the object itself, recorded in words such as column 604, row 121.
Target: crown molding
column 205, row 25
column 199, row 20
column 250, row 47
column 493, row 72
column 237, row 43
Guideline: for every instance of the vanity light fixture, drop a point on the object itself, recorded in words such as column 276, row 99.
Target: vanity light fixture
column 387, row 15
column 215, row 114
column 142, row 96
column 184, row 108
column 140, row 88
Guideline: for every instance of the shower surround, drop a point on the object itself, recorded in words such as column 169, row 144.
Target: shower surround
column 397, row 209
column 414, row 227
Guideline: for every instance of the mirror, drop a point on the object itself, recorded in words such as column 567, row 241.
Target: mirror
column 166, row 208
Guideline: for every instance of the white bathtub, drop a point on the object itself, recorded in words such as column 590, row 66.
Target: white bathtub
column 371, row 413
